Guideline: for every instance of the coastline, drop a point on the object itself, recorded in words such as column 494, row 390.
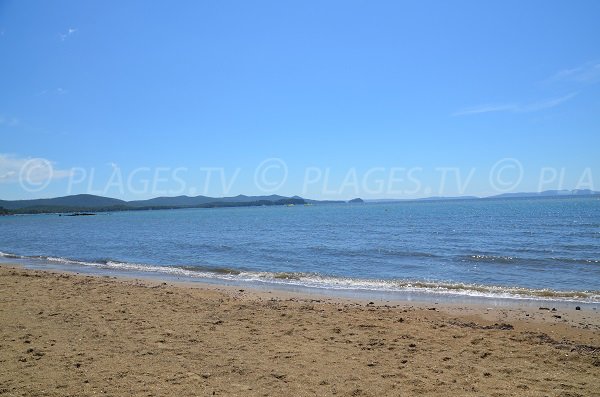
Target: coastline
column 315, row 285
column 65, row 334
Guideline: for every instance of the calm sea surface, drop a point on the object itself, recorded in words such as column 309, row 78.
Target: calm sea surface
column 543, row 248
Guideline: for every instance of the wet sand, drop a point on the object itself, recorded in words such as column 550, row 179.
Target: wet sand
column 64, row 334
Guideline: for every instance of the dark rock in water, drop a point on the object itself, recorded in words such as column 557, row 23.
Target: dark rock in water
column 81, row 214
column 577, row 308
column 356, row 201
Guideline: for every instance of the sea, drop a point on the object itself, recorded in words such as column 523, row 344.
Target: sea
column 540, row 249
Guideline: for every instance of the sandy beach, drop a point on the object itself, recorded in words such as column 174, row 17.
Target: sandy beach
column 64, row 335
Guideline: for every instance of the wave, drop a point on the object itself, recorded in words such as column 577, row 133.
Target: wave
column 489, row 258
column 11, row 256
column 115, row 264
column 319, row 281
column 579, row 261
column 504, row 259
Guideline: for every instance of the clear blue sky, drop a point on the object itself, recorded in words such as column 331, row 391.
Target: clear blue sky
column 335, row 86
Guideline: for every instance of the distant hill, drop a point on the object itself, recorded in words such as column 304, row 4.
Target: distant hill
column 187, row 201
column 177, row 201
column 88, row 202
column 546, row 193
column 244, row 199
column 549, row 193
column 78, row 200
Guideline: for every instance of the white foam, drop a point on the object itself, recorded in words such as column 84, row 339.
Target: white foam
column 333, row 283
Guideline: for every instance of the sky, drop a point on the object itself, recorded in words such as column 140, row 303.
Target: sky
column 336, row 99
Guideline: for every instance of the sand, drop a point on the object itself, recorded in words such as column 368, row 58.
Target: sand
column 66, row 335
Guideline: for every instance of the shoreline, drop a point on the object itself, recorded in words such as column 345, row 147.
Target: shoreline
column 489, row 309
column 424, row 292
column 65, row 334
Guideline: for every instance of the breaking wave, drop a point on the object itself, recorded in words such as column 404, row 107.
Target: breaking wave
column 319, row 281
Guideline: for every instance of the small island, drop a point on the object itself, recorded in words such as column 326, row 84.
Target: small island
column 357, row 200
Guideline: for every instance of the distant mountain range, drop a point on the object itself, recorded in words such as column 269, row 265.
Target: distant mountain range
column 92, row 203
column 546, row 193
column 550, row 193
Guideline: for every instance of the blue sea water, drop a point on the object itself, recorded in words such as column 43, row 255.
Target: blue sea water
column 540, row 248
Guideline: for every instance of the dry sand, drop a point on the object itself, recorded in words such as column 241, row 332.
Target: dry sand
column 64, row 335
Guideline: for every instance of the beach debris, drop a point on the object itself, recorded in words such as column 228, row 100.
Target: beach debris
column 35, row 353
column 577, row 307
column 501, row 326
column 544, row 308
